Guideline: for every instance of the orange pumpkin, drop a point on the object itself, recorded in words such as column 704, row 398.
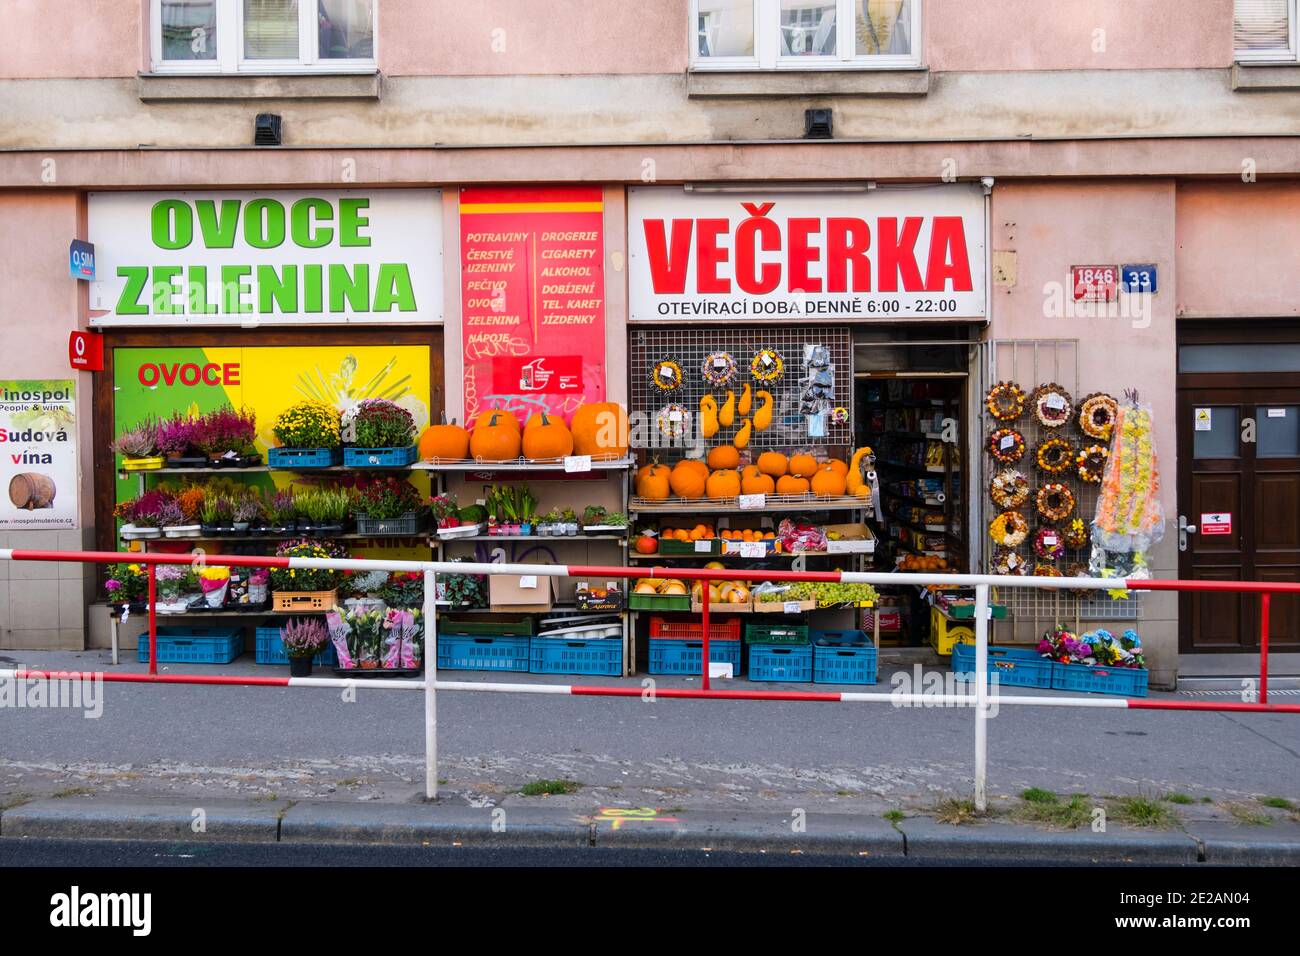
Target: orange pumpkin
column 723, row 457
column 507, row 418
column 646, row 544
column 686, row 481
column 840, row 467
column 652, row 482
column 773, row 463
column 695, row 464
column 600, row 430
column 548, row 438
column 494, row 439
column 723, row 484
column 828, row 483
column 791, row 485
column 757, row 484
column 444, row 442
column 804, row 465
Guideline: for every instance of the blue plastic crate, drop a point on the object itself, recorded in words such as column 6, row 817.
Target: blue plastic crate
column 781, row 662
column 378, row 457
column 843, row 657
column 669, row 656
column 483, row 652
column 557, row 655
column 194, row 645
column 295, row 459
column 1124, row 681
column 1014, row 666
column 269, row 649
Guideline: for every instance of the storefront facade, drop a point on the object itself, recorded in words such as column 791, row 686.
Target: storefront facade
column 947, row 230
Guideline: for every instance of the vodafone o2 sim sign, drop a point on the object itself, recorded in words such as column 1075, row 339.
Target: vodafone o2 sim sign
column 909, row 252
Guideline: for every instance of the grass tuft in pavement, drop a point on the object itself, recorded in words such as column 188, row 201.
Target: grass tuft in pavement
column 1142, row 811
column 1181, row 799
column 895, row 816
column 1248, row 815
column 1277, row 803
column 954, row 811
column 546, row 788
column 1051, row 811
column 1038, row 795
column 72, row 792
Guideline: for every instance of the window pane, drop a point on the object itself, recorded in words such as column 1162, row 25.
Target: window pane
column 1260, row 25
column 347, row 29
column 1279, row 357
column 1278, row 434
column 808, row 27
column 1219, row 439
column 189, row 29
column 725, row 28
column 271, row 29
column 882, row 27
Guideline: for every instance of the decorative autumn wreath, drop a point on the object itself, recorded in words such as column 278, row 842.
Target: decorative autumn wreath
column 1006, row 445
column 1097, row 414
column 1052, row 405
column 1009, row 529
column 1091, row 463
column 670, row 425
column 1055, row 456
column 666, row 375
column 1047, row 543
column 1054, row 501
column 1009, row 489
column 1008, row 561
column 1005, row 401
column 767, row 366
column 718, row 368
column 1076, row 535
column 1077, row 569
column 1044, row 570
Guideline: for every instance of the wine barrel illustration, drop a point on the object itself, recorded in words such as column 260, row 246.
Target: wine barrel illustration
column 31, row 490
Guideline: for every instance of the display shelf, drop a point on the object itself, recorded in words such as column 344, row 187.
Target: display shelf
column 287, row 536
column 736, row 557
column 928, row 502
column 534, row 538
column 520, row 465
column 781, row 503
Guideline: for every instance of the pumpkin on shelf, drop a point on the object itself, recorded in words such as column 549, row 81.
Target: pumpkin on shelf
column 754, row 482
column 600, row 430
column 687, row 481
column 723, row 484
column 791, row 485
column 828, row 483
column 548, row 438
column 652, row 482
column 445, row 441
column 495, row 437
column 773, row 463
column 837, row 465
column 647, row 544
column 803, row 465
column 507, row 418
column 724, row 456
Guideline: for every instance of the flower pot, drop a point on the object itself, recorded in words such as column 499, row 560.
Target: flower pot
column 216, row 598
column 571, row 528
column 525, row 528
column 239, row 527
column 182, row 531
column 152, row 463
column 214, row 530
column 300, row 667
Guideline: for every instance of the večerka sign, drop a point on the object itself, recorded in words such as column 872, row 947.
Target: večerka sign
column 882, row 254
column 245, row 259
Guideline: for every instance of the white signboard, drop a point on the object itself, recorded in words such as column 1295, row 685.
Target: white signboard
column 266, row 258
column 38, row 435
column 888, row 253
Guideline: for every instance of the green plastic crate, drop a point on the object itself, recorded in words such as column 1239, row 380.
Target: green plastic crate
column 777, row 633
column 659, row 602
column 679, row 548
column 486, row 625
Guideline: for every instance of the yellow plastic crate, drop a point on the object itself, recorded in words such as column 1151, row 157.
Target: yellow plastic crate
column 944, row 633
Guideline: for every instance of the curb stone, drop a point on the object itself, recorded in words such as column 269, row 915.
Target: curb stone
column 98, row 818
column 929, row 839
column 431, row 823
column 867, row 836
column 1226, row 844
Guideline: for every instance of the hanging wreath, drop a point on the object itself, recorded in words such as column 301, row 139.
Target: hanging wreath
column 719, row 368
column 1055, row 456
column 1043, row 570
column 1005, row 401
column 1047, row 543
column 1009, row 529
column 1076, row 535
column 1009, row 489
column 767, row 366
column 1007, row 561
column 1077, row 569
column 666, row 375
column 1052, row 405
column 1091, row 463
column 673, row 420
column 1007, row 445
column 1054, row 502
column 1097, row 415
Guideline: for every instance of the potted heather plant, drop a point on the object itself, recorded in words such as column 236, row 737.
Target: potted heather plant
column 145, row 515
column 218, row 515
column 226, row 436
column 309, row 434
column 281, row 512
column 303, row 639
column 138, row 446
column 388, row 505
column 379, row 434
column 246, row 510
column 175, row 441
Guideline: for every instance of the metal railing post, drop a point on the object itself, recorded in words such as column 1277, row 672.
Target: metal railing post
column 430, row 680
column 1265, row 603
column 704, row 652
column 153, row 619
column 981, row 697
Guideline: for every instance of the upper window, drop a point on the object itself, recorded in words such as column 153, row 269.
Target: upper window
column 805, row 34
column 1264, row 29
column 263, row 36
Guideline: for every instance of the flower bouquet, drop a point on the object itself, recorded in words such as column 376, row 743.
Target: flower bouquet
column 127, row 584
column 214, row 582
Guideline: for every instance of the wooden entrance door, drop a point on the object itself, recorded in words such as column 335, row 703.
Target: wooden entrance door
column 1239, row 487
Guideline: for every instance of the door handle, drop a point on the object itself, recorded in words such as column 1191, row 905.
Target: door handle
column 1184, row 529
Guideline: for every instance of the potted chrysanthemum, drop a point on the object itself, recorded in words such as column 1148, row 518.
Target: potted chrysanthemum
column 309, row 436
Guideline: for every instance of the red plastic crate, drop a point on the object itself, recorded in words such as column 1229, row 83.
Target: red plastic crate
column 719, row 630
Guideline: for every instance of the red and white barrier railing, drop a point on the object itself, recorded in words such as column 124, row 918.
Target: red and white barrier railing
column 980, row 698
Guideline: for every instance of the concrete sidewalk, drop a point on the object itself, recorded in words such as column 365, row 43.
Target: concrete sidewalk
column 914, row 839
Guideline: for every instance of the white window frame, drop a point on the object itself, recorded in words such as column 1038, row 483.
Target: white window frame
column 1287, row 55
column 767, row 44
column 230, row 46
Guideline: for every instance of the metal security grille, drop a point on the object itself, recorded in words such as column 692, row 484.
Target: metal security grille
column 688, row 347
column 1030, row 363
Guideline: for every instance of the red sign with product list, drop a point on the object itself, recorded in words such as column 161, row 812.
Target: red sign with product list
column 532, row 299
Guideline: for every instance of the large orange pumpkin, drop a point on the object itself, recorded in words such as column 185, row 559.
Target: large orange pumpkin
column 687, row 481
column 652, row 482
column 827, row 483
column 507, row 418
column 804, row 465
column 600, row 430
column 841, row 467
column 791, row 485
column 724, row 456
column 756, row 484
column 696, row 464
column 647, row 544
column 723, row 484
column 773, row 463
column 494, row 439
column 444, row 442
column 548, row 438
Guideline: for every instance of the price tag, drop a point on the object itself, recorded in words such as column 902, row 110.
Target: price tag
column 528, row 581
column 666, row 374
column 753, row 549
column 1008, row 441
column 1055, row 401
column 577, row 463
column 703, row 547
column 583, row 586
column 792, row 607
column 1049, row 540
column 719, row 363
column 675, row 416
column 767, row 359
column 752, row 501
column 1277, row 413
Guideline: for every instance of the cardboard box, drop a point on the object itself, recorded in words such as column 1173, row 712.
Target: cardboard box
column 857, row 539
column 521, row 593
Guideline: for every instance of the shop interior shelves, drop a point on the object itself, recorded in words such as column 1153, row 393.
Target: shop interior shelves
column 784, row 503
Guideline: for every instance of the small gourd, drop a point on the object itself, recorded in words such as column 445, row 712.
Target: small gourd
column 727, row 417
column 763, row 417
column 742, row 436
column 495, row 439
column 854, row 482
column 708, row 416
column 549, row 438
column 746, row 401
column 723, row 484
